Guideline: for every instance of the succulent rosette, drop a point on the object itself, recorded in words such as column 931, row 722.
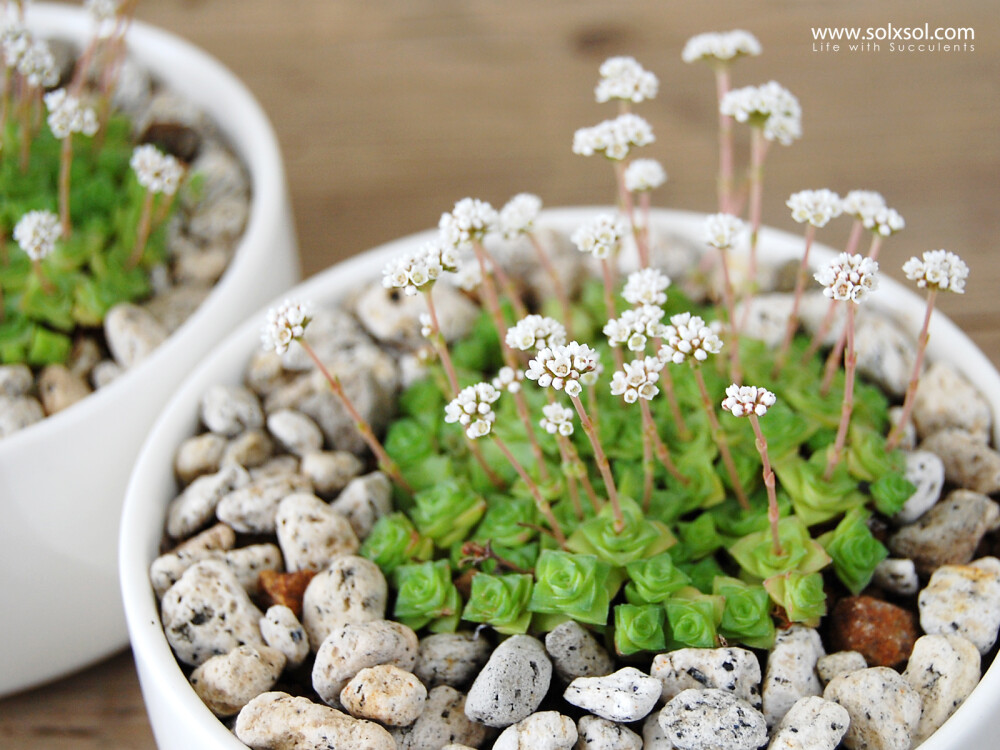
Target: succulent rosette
column 800, row 552
column 508, row 521
column 638, row 539
column 447, row 512
column 855, row 552
column 576, row 586
column 890, row 493
column 694, row 619
column 746, row 617
column 426, row 595
column 395, row 541
column 734, row 522
column 815, row 498
column 702, row 573
column 500, row 601
column 800, row 594
column 654, row 579
column 698, row 538
column 639, row 627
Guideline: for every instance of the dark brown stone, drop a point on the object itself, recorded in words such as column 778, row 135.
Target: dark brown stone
column 285, row 588
column 882, row 632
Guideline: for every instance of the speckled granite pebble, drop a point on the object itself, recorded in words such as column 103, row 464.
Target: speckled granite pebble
column 712, row 720
column 963, row 600
column 228, row 682
column 58, row 388
column 968, row 462
column 395, row 318
column 384, row 693
column 623, row 696
column 943, row 669
column 253, row 508
column 199, row 455
column 945, row 399
column 196, row 505
column 296, row 432
column 19, row 412
column 812, row 723
column 596, row 733
column 132, row 333
column 311, row 533
column 885, row 353
column 365, row 500
column 351, row 648
column 926, row 472
column 512, row 684
column 207, row 612
column 545, row 730
column 229, row 409
column 897, row 576
column 839, row 663
column 451, row 658
column 351, row 590
column 791, row 671
column 330, row 471
column 15, row 380
column 250, row 449
column 278, row 721
column 654, row 737
column 884, row 709
column 734, row 669
column 281, row 630
column 576, row 653
column 442, row 722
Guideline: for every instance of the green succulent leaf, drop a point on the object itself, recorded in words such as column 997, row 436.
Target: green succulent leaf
column 702, row 573
column 639, row 628
column 698, row 538
column 890, row 493
column 426, row 595
column 407, row 442
column 755, row 553
column 638, row 539
column 800, row 594
column 867, row 457
column 500, row 601
column 854, row 550
column 815, row 499
column 694, row 620
column 654, row 579
column 447, row 511
column 395, row 541
column 573, row 585
column 508, row 521
column 746, row 618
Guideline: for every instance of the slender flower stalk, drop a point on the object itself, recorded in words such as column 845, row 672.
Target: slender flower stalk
column 601, row 459
column 640, row 178
column 722, row 231
column 753, row 402
column 936, row 271
column 602, row 238
column 67, row 115
column 758, row 153
column 557, row 420
column 159, row 174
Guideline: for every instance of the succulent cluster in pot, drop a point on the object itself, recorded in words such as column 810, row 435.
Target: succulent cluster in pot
column 619, row 456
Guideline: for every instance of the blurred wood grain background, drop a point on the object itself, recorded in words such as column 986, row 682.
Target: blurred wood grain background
column 390, row 111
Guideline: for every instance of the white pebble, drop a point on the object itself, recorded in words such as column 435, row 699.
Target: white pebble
column 351, row 648
column 812, row 723
column 897, row 575
column 228, row 682
column 839, row 663
column 734, row 669
column 253, row 508
column 282, row 630
column 596, row 733
column 791, row 671
column 132, row 333
column 196, row 505
column 512, row 684
column 884, row 709
column 623, row 696
column 19, row 412
column 311, row 533
column 451, row 658
column 351, row 590
column 199, row 455
column 330, row 471
column 925, row 471
column 443, row 721
column 365, row 500
column 944, row 670
column 385, row 693
column 963, row 600
column 576, row 653
column 712, row 720
column 296, row 432
column 545, row 730
column 229, row 409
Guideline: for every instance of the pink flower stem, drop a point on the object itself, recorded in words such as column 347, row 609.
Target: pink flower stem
column 720, row 440
column 896, row 435
column 505, row 281
column 758, row 152
column 662, row 452
column 725, row 186
column 540, row 502
column 557, row 285
column 773, row 512
column 817, row 341
column 385, row 461
column 876, row 245
column 793, row 317
column 43, row 280
column 675, row 407
column 601, row 459
column 579, row 470
column 648, row 467
column 833, row 360
column 625, row 198
column 142, row 231
column 850, row 364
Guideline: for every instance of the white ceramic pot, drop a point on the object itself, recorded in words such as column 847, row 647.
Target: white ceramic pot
column 62, row 481
column 181, row 721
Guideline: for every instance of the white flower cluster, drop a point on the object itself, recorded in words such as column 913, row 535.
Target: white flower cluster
column 536, row 332
column 602, row 237
column 720, row 46
column 688, row 337
column 771, row 106
column 562, row 367
column 635, row 326
column 469, row 221
column 884, row 221
column 36, row 233
column 419, row 267
column 518, row 216
column 37, row 64
column 156, row 171
column 68, row 115
column 646, row 287
column 938, row 269
column 643, row 175
column 862, row 204
column 508, row 379
column 744, row 400
column 473, row 409
column 468, row 276
column 15, row 40
column 624, row 78
column 285, row 324
column 613, row 138
column 849, row 277
column 637, row 380
column 557, row 418
column 815, row 206
column 723, row 230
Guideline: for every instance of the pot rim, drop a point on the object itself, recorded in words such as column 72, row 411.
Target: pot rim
column 145, row 498
column 256, row 145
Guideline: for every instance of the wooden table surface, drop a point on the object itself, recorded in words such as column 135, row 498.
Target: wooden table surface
column 388, row 112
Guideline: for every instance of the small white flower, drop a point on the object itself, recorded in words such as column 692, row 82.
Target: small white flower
column 557, row 418
column 863, row 204
column 646, row 287
column 14, row 40
column 591, row 377
column 613, row 138
column 469, row 221
column 644, row 174
column 518, row 216
column 770, row 106
column 720, row 46
column 426, row 325
column 601, row 237
column 536, row 332
column 469, row 275
column 884, row 221
column 67, row 115
column 849, row 277
column 105, row 15
column 815, row 206
column 37, row 64
column 688, row 337
column 635, row 326
column 723, row 230
column 36, row 233
column 420, row 267
column 285, row 324
column 624, row 78
column 744, row 400
column 938, row 269
column 473, row 409
column 637, row 380
column 156, row 171
column 561, row 367
column 508, row 379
